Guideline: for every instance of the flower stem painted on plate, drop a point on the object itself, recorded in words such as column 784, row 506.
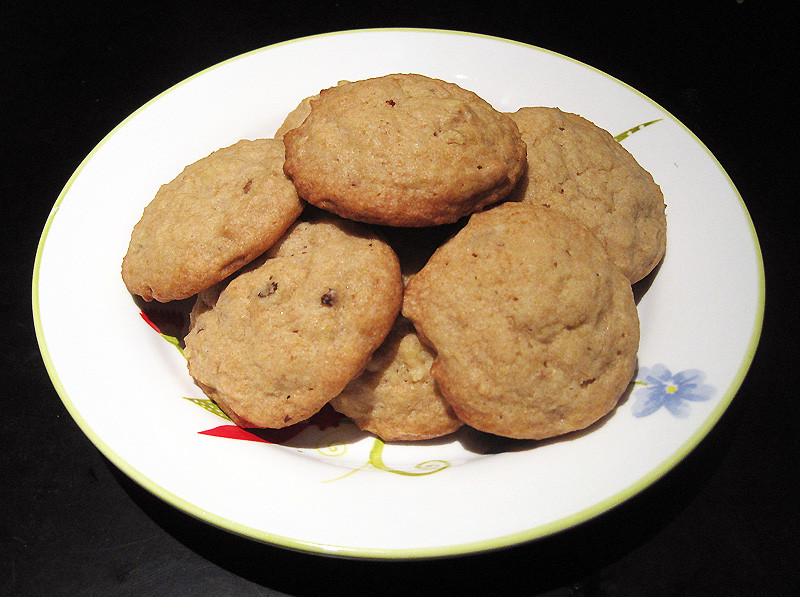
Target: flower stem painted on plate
column 637, row 128
column 425, row 468
column 375, row 460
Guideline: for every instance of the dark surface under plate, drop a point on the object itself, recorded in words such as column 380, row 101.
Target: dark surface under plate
column 724, row 521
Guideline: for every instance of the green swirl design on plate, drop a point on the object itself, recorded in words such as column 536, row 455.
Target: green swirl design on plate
column 426, row 468
column 331, row 448
column 375, row 460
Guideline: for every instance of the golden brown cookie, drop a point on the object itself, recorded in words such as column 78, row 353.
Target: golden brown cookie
column 535, row 329
column 295, row 326
column 396, row 397
column 295, row 118
column 578, row 168
column 403, row 150
column 220, row 213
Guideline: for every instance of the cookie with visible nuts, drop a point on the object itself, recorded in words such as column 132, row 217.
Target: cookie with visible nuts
column 535, row 328
column 219, row 214
column 288, row 333
column 578, row 168
column 403, row 150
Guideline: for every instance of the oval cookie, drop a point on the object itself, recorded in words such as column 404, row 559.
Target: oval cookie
column 578, row 168
column 220, row 213
column 403, row 150
column 294, row 327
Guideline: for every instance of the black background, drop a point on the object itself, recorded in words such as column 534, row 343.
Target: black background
column 723, row 522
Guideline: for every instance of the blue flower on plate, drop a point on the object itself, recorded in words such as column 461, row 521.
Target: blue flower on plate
column 658, row 387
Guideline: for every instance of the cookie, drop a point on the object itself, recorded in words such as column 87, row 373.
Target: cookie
column 403, row 150
column 296, row 117
column 396, row 397
column 578, row 168
column 285, row 335
column 220, row 213
column 535, row 328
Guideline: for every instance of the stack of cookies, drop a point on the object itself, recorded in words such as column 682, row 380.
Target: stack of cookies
column 412, row 256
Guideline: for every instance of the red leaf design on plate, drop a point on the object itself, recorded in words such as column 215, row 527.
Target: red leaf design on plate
column 327, row 417
column 233, row 432
column 149, row 321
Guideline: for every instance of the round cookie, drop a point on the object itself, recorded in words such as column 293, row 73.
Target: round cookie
column 220, row 213
column 535, row 329
column 578, row 168
column 286, row 335
column 403, row 150
column 396, row 397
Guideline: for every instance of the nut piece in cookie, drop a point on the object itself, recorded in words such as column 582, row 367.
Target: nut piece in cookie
column 286, row 335
column 578, row 168
column 535, row 329
column 403, row 150
column 220, row 213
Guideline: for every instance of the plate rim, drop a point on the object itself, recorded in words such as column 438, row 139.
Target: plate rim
column 484, row 545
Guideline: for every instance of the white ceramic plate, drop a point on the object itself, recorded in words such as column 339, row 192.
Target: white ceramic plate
column 331, row 489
